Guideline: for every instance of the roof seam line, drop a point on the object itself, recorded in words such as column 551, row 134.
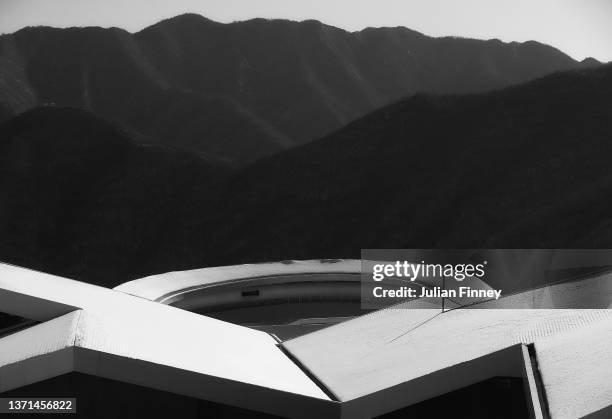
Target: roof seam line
column 414, row 328
column 328, row 392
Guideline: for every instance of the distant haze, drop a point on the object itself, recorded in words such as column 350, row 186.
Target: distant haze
column 580, row 28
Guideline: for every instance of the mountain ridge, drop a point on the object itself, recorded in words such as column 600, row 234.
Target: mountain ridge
column 76, row 189
column 245, row 90
column 522, row 167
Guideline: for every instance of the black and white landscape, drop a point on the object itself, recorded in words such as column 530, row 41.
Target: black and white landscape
column 193, row 143
column 245, row 90
column 207, row 216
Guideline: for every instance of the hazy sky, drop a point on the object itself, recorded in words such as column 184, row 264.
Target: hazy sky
column 580, row 28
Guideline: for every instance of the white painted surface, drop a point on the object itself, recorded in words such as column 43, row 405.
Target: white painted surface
column 378, row 351
column 39, row 339
column 127, row 326
column 354, row 359
column 576, row 370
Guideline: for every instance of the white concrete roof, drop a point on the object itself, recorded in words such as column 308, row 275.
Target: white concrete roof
column 46, row 338
column 576, row 369
column 119, row 325
column 393, row 346
column 384, row 360
column 378, row 351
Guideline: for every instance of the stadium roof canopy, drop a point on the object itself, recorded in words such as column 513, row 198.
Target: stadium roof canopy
column 108, row 333
column 363, row 367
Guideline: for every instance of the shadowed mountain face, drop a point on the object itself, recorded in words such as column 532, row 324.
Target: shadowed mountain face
column 245, row 90
column 78, row 195
column 526, row 167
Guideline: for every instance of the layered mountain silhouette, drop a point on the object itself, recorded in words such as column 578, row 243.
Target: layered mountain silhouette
column 242, row 91
column 526, row 167
column 79, row 195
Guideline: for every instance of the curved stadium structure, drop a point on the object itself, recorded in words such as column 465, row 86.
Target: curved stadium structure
column 287, row 298
column 163, row 346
